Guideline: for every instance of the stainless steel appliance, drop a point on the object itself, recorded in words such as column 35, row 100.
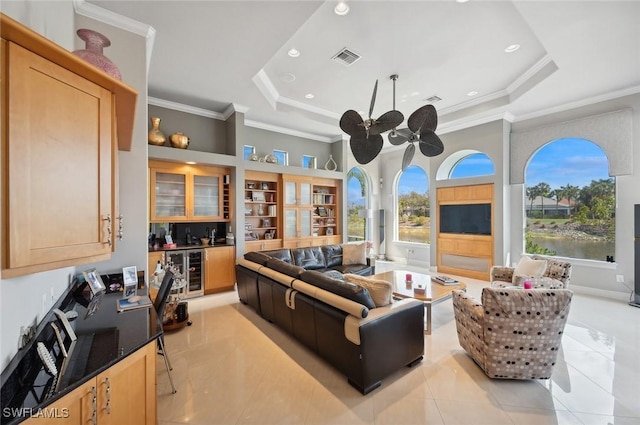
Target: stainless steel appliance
column 191, row 265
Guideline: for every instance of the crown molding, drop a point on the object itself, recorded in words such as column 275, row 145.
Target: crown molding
column 266, row 87
column 185, row 108
column 529, row 74
column 81, row 7
column 283, row 130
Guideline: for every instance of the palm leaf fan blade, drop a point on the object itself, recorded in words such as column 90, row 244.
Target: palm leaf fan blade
column 367, row 148
column 398, row 137
column 430, row 143
column 351, row 123
column 386, row 122
column 408, row 156
column 425, row 117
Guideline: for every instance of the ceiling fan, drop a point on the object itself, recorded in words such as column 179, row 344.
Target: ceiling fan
column 366, row 141
column 422, row 125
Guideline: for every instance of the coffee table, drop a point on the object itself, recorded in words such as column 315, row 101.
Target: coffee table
column 434, row 292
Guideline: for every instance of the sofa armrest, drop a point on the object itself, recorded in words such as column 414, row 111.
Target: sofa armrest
column 501, row 273
column 469, row 315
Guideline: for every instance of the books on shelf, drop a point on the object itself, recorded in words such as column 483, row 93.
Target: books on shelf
column 272, row 211
column 444, row 280
column 133, row 303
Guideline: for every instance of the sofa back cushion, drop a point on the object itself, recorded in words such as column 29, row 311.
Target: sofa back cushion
column 283, row 254
column 284, row 267
column 332, row 254
column 257, row 257
column 310, row 258
column 347, row 290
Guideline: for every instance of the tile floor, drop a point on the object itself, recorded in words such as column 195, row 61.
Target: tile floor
column 233, row 367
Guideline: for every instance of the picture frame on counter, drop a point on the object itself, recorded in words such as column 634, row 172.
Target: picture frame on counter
column 329, row 231
column 94, row 280
column 130, row 278
column 266, row 222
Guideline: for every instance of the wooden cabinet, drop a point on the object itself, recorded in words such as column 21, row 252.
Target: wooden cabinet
column 60, row 130
column 262, row 245
column 123, row 394
column 181, row 192
column 297, row 209
column 262, row 199
column 220, row 273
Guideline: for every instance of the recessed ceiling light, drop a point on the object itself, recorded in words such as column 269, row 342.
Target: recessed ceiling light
column 472, row 93
column 512, row 48
column 461, row 1
column 342, row 8
column 309, row 96
column 191, row 162
column 294, row 53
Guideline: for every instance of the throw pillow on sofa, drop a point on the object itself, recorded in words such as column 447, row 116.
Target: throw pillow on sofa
column 381, row 291
column 353, row 254
column 528, row 267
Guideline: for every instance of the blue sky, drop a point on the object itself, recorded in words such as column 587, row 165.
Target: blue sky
column 565, row 161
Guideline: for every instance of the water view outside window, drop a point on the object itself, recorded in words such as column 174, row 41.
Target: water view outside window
column 476, row 164
column 414, row 215
column 570, row 201
column 357, row 192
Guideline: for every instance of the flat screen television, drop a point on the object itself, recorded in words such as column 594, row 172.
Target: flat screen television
column 472, row 219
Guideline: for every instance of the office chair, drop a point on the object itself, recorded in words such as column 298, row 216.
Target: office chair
column 159, row 304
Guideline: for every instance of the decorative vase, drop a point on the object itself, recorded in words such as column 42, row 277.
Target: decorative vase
column 330, row 165
column 260, row 210
column 179, row 140
column 92, row 53
column 156, row 137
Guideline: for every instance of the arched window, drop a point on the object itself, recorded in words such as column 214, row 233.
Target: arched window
column 412, row 200
column 570, row 201
column 476, row 164
column 357, row 202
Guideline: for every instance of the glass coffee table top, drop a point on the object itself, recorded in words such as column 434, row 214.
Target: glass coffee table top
column 433, row 291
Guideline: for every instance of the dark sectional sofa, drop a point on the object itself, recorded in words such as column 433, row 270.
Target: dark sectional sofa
column 301, row 290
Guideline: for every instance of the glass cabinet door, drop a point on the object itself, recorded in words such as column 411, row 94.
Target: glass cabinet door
column 305, row 223
column 305, row 194
column 170, row 195
column 206, row 196
column 290, row 193
column 290, row 223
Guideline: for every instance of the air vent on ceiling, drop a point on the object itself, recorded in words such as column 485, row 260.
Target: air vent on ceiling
column 432, row 99
column 346, row 57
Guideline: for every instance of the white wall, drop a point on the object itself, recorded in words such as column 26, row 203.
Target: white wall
column 24, row 300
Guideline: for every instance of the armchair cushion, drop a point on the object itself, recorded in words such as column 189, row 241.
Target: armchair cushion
column 529, row 267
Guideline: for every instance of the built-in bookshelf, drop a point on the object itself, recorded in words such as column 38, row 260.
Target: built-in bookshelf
column 261, row 199
column 325, row 210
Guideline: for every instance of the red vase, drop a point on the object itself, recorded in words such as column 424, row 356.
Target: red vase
column 92, row 53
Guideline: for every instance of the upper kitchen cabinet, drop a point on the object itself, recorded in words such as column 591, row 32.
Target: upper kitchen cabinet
column 61, row 120
column 181, row 192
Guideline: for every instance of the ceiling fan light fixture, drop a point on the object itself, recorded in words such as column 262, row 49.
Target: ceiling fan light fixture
column 341, row 9
column 512, row 48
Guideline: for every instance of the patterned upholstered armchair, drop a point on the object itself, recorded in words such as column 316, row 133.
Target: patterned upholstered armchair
column 556, row 276
column 513, row 333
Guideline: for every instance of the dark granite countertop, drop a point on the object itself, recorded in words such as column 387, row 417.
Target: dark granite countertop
column 179, row 247
column 103, row 339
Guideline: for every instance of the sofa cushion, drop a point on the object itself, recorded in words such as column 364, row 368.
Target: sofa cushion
column 361, row 269
column 283, row 254
column 529, row 267
column 311, row 257
column 332, row 254
column 353, row 254
column 257, row 257
column 347, row 290
column 380, row 290
column 284, row 267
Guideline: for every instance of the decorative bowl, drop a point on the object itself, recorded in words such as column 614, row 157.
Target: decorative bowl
column 205, row 241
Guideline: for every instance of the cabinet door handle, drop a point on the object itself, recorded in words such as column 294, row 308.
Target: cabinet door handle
column 120, row 219
column 108, row 220
column 94, row 406
column 107, row 393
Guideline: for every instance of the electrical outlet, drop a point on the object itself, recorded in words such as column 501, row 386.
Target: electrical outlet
column 620, row 278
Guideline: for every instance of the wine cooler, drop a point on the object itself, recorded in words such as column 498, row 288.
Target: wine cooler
column 191, row 265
